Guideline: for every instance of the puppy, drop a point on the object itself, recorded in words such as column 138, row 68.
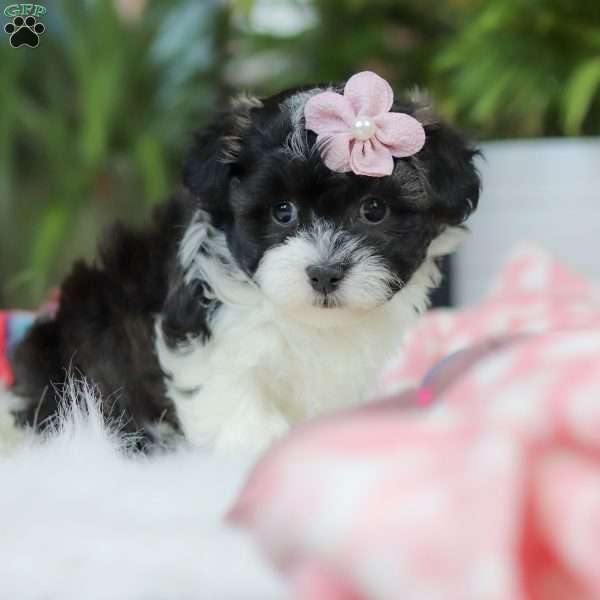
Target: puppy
column 268, row 291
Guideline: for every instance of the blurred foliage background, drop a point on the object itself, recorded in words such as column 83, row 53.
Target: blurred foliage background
column 94, row 122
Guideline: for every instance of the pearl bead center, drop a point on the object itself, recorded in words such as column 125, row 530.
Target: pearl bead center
column 363, row 128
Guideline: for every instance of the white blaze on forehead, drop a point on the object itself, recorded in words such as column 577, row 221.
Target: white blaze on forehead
column 282, row 276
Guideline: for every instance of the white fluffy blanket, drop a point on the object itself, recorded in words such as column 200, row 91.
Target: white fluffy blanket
column 80, row 520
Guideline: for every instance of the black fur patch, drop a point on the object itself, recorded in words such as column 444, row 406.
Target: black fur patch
column 104, row 329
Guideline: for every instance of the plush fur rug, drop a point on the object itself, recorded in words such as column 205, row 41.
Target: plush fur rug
column 80, row 519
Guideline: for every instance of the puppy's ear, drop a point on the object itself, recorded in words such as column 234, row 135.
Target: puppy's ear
column 205, row 173
column 451, row 178
column 213, row 157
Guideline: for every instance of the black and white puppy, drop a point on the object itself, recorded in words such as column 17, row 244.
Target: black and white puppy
column 270, row 290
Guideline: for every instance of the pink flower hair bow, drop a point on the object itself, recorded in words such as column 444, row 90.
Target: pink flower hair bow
column 357, row 132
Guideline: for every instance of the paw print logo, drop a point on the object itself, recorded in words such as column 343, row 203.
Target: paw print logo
column 24, row 32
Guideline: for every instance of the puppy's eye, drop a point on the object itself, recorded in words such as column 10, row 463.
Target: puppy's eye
column 373, row 211
column 285, row 213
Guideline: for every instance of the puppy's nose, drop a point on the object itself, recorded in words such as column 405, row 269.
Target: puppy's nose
column 325, row 278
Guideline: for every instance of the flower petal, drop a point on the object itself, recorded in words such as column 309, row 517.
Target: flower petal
column 369, row 94
column 371, row 158
column 402, row 134
column 328, row 112
column 335, row 151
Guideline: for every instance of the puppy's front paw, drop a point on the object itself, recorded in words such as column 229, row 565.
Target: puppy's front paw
column 185, row 314
column 253, row 427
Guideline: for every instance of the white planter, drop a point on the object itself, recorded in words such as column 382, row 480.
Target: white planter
column 545, row 191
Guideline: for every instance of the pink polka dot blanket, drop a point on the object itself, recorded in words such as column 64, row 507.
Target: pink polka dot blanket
column 478, row 478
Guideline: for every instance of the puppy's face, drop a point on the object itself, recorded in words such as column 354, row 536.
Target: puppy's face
column 317, row 241
column 312, row 238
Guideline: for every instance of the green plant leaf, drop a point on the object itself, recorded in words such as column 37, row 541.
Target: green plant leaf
column 581, row 89
column 50, row 233
column 151, row 164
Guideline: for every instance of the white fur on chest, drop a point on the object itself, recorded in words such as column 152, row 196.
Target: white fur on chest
column 261, row 371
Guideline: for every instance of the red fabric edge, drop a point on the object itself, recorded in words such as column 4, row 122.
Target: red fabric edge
column 6, row 374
